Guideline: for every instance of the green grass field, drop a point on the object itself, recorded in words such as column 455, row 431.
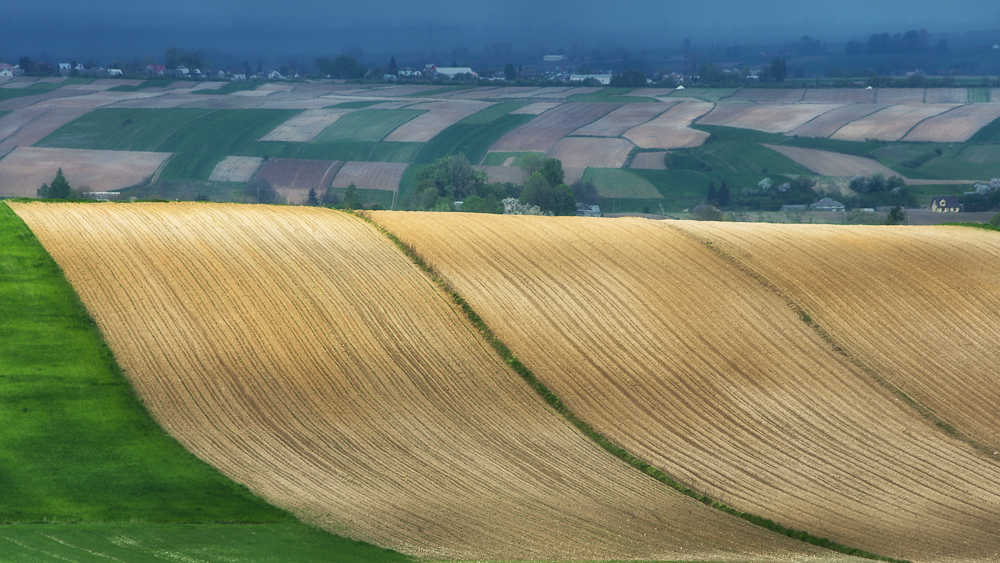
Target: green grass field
column 621, row 184
column 355, row 105
column 437, row 91
column 979, row 95
column 11, row 93
column 475, row 134
column 369, row 197
column 988, row 134
column 708, row 94
column 204, row 142
column 747, row 158
column 365, row 125
column 334, row 150
column 395, row 152
column 142, row 543
column 123, row 129
column 230, row 88
column 151, row 83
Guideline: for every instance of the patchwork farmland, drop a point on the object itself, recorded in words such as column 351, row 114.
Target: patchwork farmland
column 202, row 125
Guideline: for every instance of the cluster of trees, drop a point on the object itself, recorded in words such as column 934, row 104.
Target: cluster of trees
column 985, row 197
column 344, row 66
column 452, row 179
column 58, row 189
column 912, row 41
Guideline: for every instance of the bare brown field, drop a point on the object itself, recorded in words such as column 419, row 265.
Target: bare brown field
column 955, row 126
column 650, row 92
column 303, row 127
column 293, row 178
column 439, row 116
column 543, row 132
column 925, row 318
column 622, row 119
column 890, row 124
column 899, row 95
column 297, row 350
column 946, row 95
column 768, row 96
column 162, row 101
column 831, row 121
column 22, row 102
column 828, row 163
column 371, row 175
column 674, row 353
column 27, row 126
column 671, row 130
column 649, row 161
column 597, row 152
column 236, row 169
column 25, row 169
column 770, row 117
column 839, row 95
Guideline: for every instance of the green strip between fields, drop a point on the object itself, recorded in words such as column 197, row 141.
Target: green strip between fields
column 609, row 446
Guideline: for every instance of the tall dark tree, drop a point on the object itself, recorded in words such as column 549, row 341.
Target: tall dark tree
column 778, row 69
column 59, row 189
column 312, row 200
column 351, row 199
column 537, row 191
column 723, row 195
column 563, row 201
column 392, row 69
column 509, row 72
column 552, row 170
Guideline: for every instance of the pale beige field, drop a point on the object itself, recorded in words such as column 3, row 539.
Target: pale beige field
column 623, row 119
column 692, row 364
column 25, row 127
column 597, row 152
column 828, row 163
column 439, row 116
column 946, row 95
column 370, row 175
column 649, row 161
column 890, row 124
column 543, row 132
column 236, row 169
column 303, row 127
column 831, row 121
column 839, row 95
column 671, row 130
column 919, row 305
column 955, row 126
column 25, row 169
column 899, row 95
column 536, row 108
column 770, row 117
column 504, row 174
column 297, row 350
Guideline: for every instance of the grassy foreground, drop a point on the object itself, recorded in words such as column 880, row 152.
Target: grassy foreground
column 84, row 469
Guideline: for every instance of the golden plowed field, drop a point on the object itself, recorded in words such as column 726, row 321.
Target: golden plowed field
column 920, row 305
column 694, row 365
column 301, row 353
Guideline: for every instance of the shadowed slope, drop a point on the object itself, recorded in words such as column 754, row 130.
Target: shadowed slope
column 672, row 352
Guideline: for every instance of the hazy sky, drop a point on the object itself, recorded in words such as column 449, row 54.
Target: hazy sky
column 452, row 23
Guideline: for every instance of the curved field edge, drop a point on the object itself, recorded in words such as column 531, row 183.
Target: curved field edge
column 76, row 443
column 145, row 543
column 542, row 506
column 77, row 446
column 614, row 449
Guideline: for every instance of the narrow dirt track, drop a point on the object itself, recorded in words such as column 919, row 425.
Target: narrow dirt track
column 920, row 305
column 690, row 363
column 302, row 354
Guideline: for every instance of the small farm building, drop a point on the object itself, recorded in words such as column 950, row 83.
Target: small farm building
column 946, row 204
column 827, row 204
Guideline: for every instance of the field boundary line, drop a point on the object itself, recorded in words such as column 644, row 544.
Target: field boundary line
column 921, row 409
column 605, row 443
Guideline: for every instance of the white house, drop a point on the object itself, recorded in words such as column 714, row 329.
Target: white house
column 453, row 72
column 114, row 72
column 827, row 204
column 604, row 79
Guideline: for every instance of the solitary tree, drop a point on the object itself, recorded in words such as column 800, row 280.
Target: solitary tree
column 778, row 69
column 351, row 200
column 312, row 200
column 509, row 72
column 59, row 189
column 392, row 69
column 723, row 195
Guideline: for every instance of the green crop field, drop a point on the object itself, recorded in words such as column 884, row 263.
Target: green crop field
column 366, row 125
column 437, row 91
column 713, row 95
column 472, row 136
column 615, row 183
column 152, row 83
column 988, row 134
column 747, row 158
column 11, row 93
column 680, row 189
column 142, row 543
column 368, row 197
column 979, row 95
column 333, row 150
column 355, row 105
column 492, row 113
column 395, row 152
column 231, row 87
column 203, row 142
column 122, row 129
